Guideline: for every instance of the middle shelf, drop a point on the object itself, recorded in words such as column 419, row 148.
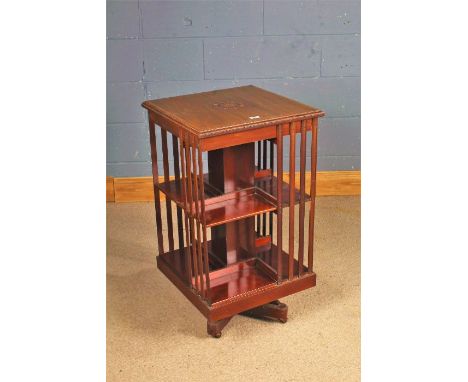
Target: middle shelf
column 235, row 206
column 222, row 208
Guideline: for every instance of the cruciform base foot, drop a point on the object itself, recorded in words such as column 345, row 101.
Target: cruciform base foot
column 274, row 310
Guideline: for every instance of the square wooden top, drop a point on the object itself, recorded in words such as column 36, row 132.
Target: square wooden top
column 226, row 111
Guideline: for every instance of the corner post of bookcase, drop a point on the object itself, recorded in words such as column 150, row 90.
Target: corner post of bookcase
column 154, row 166
column 202, row 217
column 300, row 256
column 187, row 252
column 279, row 201
column 313, row 177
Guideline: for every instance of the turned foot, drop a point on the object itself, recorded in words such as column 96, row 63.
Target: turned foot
column 274, row 310
column 214, row 328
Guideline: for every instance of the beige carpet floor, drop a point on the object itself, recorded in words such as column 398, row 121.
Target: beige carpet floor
column 155, row 334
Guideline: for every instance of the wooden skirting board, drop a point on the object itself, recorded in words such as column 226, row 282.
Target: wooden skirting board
column 140, row 189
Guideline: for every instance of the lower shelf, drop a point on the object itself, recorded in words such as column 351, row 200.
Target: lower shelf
column 238, row 279
column 255, row 273
column 270, row 259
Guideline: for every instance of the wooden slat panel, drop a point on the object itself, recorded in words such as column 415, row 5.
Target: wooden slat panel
column 175, row 154
column 313, row 171
column 259, row 166
column 292, row 197
column 302, row 199
column 279, row 211
column 270, row 220
column 203, row 220
column 196, row 199
column 170, row 227
column 188, row 261
column 189, row 187
column 264, row 166
column 157, row 201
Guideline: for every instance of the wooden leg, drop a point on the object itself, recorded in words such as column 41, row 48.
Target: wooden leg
column 274, row 310
column 214, row 328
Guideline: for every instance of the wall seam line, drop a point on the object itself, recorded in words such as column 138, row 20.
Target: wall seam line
column 203, row 58
column 263, row 18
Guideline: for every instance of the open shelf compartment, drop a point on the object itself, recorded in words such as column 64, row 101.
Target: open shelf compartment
column 255, row 272
column 173, row 190
column 269, row 258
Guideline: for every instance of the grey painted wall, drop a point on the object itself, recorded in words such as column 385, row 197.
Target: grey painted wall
column 305, row 50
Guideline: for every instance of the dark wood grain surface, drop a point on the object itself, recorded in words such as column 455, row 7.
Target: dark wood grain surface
column 240, row 269
column 223, row 111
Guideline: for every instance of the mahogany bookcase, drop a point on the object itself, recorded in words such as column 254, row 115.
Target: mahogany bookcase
column 225, row 241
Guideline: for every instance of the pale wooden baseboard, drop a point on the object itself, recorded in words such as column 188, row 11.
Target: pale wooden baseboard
column 110, row 191
column 140, row 189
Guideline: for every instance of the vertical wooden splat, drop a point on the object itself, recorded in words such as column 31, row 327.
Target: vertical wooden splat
column 187, row 250
column 272, row 168
column 203, row 220
column 196, row 199
column 188, row 168
column 259, row 160
column 302, row 198
column 313, row 171
column 279, row 193
column 154, row 166
column 170, row 228
column 292, row 196
column 180, row 226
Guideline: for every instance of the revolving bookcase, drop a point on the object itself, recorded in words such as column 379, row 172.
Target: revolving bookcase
column 229, row 249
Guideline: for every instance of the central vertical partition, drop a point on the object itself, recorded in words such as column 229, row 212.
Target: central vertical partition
column 232, row 169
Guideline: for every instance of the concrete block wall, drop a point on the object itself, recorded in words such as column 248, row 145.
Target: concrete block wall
column 306, row 50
